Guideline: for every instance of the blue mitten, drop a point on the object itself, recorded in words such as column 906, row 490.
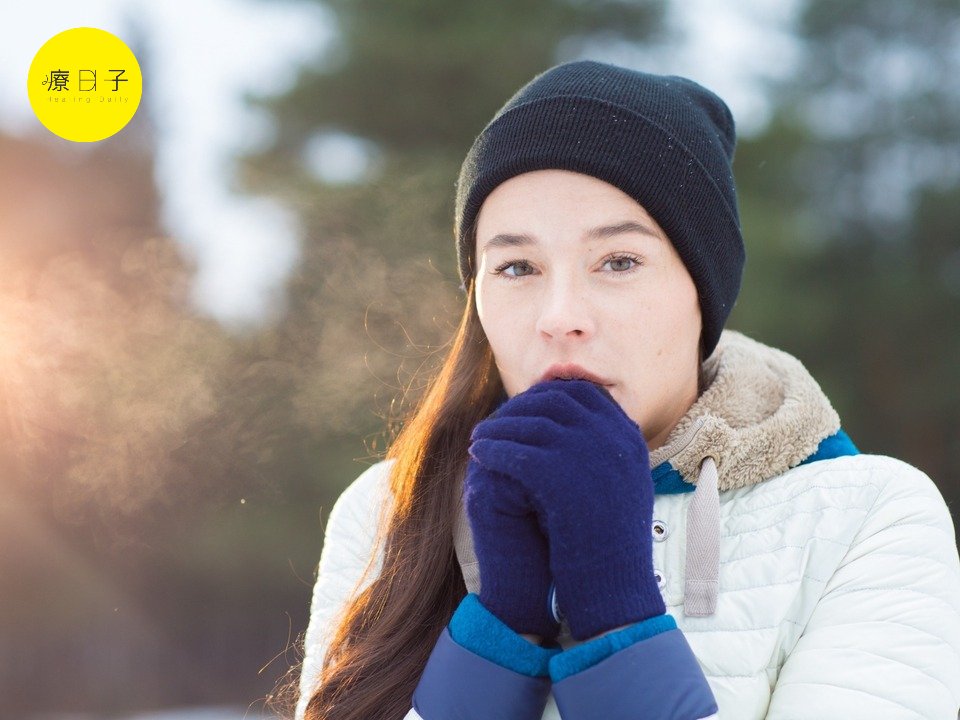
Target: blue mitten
column 583, row 463
column 511, row 551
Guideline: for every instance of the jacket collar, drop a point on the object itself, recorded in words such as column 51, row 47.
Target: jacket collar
column 761, row 414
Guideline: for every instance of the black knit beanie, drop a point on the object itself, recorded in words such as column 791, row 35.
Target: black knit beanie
column 666, row 141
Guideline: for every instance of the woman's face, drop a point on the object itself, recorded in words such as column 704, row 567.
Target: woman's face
column 578, row 272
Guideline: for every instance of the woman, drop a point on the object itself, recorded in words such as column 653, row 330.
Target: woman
column 606, row 505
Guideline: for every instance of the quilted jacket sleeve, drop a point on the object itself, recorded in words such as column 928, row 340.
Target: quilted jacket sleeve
column 884, row 638
column 480, row 669
column 348, row 547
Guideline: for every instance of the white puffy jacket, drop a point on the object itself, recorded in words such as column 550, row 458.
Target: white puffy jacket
column 809, row 580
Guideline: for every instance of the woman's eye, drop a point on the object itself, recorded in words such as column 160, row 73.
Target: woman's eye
column 501, row 269
column 623, row 259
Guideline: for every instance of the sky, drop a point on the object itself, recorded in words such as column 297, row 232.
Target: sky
column 244, row 247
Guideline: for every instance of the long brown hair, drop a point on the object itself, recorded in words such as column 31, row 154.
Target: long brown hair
column 384, row 638
column 382, row 643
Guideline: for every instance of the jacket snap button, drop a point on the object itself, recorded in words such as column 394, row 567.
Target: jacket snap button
column 659, row 578
column 660, row 531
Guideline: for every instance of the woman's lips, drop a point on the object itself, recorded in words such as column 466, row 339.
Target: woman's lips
column 571, row 371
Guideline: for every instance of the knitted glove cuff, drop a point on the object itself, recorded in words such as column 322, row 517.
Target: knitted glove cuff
column 524, row 608
column 607, row 594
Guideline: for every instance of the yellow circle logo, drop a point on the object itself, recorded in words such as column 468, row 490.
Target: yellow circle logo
column 84, row 84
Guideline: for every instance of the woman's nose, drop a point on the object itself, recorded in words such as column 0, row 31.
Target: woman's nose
column 565, row 310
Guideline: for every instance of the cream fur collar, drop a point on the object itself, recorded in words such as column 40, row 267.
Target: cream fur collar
column 761, row 414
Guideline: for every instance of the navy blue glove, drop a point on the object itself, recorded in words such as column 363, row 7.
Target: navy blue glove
column 511, row 550
column 583, row 464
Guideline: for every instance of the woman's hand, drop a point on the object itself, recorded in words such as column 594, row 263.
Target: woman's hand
column 512, row 552
column 583, row 466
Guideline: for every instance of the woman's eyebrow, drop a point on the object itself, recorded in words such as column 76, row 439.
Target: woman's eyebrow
column 598, row 233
